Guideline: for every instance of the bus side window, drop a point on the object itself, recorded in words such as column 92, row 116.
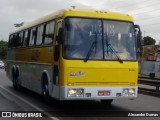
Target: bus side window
column 10, row 45
column 33, row 36
column 57, row 51
column 58, row 30
column 13, row 41
column 49, row 33
column 26, row 38
column 20, row 40
column 16, row 40
column 40, row 35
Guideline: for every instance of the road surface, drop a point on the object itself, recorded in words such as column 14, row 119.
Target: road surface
column 25, row 100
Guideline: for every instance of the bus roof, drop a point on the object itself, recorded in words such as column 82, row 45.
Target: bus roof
column 77, row 13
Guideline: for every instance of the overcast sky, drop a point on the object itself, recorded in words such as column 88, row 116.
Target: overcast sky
column 145, row 12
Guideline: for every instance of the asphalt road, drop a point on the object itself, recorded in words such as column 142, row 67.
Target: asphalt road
column 25, row 100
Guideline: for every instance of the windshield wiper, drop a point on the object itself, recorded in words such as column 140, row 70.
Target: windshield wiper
column 94, row 45
column 113, row 50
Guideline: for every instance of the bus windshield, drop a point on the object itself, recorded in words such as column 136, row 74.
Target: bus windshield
column 95, row 39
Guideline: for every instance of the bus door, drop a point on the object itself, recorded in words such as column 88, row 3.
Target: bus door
column 56, row 68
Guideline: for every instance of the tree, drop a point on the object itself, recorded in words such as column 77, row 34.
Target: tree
column 3, row 49
column 148, row 41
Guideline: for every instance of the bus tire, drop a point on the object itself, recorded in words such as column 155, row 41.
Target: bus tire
column 17, row 83
column 106, row 102
column 14, row 83
column 45, row 88
column 15, row 78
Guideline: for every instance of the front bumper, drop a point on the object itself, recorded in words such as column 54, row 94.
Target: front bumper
column 91, row 93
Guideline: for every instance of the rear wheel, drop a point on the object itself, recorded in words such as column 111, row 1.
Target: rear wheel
column 106, row 102
column 15, row 79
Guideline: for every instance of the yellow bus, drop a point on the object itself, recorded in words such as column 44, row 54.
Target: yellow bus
column 76, row 55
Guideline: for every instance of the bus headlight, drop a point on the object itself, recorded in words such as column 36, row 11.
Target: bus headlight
column 125, row 92
column 131, row 91
column 128, row 92
column 80, row 92
column 73, row 92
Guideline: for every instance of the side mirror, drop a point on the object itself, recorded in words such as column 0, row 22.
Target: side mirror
column 138, row 37
column 60, row 36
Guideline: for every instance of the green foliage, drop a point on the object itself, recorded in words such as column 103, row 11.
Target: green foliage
column 148, row 41
column 3, row 49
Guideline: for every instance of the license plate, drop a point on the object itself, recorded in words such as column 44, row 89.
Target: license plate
column 104, row 93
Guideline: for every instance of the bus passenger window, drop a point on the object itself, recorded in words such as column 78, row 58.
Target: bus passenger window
column 26, row 38
column 59, row 28
column 16, row 40
column 13, row 41
column 49, row 33
column 40, row 35
column 57, row 52
column 33, row 36
column 20, row 40
column 10, row 45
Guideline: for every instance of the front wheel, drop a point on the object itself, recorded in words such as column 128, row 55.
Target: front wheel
column 106, row 102
column 46, row 96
